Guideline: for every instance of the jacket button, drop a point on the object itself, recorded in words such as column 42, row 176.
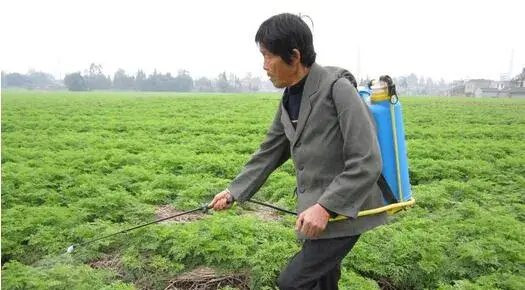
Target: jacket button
column 301, row 189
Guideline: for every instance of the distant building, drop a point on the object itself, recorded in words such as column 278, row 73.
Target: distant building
column 472, row 85
column 488, row 92
column 502, row 85
column 517, row 93
column 456, row 88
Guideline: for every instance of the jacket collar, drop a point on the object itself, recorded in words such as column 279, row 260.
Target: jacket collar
column 311, row 86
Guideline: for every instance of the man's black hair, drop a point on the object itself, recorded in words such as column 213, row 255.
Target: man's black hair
column 282, row 33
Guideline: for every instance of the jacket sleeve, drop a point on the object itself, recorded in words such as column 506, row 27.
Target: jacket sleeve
column 272, row 153
column 362, row 160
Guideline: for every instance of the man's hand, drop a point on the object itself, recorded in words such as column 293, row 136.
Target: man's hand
column 312, row 221
column 222, row 200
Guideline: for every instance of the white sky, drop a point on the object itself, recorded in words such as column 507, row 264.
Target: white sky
column 449, row 39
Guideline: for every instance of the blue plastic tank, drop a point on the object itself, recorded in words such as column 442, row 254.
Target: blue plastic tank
column 381, row 107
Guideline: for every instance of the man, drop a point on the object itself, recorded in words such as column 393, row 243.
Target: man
column 326, row 129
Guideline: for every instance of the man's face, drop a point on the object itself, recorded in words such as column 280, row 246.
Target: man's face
column 280, row 73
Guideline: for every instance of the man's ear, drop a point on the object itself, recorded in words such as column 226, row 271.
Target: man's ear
column 296, row 56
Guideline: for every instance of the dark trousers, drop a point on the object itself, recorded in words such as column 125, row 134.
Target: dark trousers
column 317, row 265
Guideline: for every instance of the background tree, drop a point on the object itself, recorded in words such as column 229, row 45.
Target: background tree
column 140, row 80
column 183, row 82
column 75, row 82
column 95, row 78
column 222, row 83
column 122, row 81
column 204, row 84
column 15, row 80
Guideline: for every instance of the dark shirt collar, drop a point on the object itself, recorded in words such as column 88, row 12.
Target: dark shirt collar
column 298, row 87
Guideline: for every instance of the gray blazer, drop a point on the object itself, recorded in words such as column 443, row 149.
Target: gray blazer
column 335, row 152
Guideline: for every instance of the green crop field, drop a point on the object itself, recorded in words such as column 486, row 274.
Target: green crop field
column 77, row 166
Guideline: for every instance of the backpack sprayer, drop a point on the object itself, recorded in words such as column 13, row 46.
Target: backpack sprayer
column 383, row 102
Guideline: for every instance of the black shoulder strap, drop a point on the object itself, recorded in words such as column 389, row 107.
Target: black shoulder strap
column 388, row 194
